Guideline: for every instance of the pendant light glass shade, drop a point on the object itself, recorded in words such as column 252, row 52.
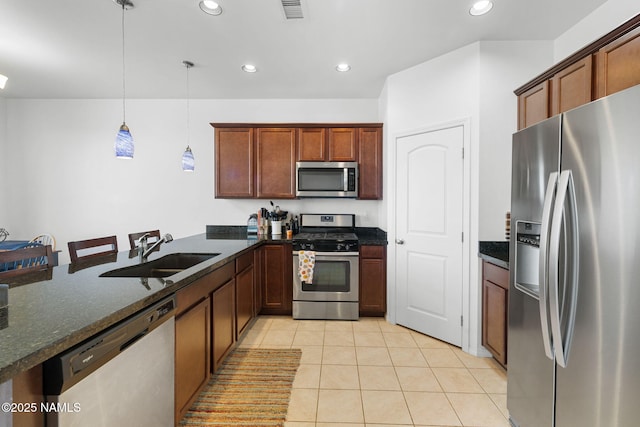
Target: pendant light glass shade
column 188, row 162
column 124, row 141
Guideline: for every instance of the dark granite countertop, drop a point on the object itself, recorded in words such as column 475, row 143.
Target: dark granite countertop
column 71, row 304
column 366, row 235
column 371, row 236
column 494, row 252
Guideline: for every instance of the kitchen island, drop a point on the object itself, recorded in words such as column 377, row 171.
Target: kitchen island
column 74, row 303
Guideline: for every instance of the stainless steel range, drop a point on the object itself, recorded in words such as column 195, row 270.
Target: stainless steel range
column 325, row 268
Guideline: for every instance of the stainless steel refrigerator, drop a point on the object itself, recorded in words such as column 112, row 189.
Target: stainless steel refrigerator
column 574, row 300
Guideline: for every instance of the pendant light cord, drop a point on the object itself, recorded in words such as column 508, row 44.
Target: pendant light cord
column 124, row 2
column 188, row 66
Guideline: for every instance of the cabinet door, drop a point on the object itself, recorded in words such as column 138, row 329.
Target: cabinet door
column 277, row 279
column 234, row 162
column 494, row 328
column 244, row 299
column 27, row 388
column 343, row 145
column 275, row 163
column 224, row 333
column 373, row 281
column 258, row 256
column 193, row 355
column 533, row 105
column 495, row 299
column 571, row 87
column 312, row 144
column 618, row 64
column 370, row 163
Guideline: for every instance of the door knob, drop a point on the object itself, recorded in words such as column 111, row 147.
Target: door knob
column 399, row 241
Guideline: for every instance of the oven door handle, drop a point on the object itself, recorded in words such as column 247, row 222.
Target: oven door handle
column 333, row 254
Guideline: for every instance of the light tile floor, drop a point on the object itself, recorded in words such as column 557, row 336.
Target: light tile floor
column 373, row 373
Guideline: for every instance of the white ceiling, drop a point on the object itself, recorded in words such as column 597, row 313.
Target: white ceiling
column 73, row 48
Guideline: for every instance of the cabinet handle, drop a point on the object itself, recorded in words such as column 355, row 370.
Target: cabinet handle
column 399, row 241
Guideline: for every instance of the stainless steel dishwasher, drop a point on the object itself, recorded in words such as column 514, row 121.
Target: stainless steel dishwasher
column 123, row 376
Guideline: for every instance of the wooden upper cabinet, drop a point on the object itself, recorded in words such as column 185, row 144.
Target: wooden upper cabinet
column 618, row 64
column 533, row 105
column 254, row 160
column 275, row 163
column 608, row 65
column 312, row 144
column 343, row 145
column 370, row 158
column 571, row 87
column 234, row 162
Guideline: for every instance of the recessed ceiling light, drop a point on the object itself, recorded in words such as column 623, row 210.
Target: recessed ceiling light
column 248, row 68
column 343, row 67
column 210, row 7
column 481, row 7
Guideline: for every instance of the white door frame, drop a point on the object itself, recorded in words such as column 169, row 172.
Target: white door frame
column 470, row 315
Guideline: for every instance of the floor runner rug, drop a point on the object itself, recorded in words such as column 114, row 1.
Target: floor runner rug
column 251, row 388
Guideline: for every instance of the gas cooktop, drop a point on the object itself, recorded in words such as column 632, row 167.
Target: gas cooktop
column 337, row 236
column 328, row 233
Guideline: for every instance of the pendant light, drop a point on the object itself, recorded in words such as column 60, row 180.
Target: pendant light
column 124, row 141
column 188, row 162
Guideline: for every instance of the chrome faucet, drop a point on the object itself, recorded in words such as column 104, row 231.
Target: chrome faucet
column 144, row 250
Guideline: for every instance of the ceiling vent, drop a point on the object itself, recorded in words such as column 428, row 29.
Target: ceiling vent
column 292, row 9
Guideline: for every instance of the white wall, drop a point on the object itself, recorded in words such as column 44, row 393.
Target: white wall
column 3, row 162
column 503, row 67
column 598, row 23
column 475, row 82
column 73, row 187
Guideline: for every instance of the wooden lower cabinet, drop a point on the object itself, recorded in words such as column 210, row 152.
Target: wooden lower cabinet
column 277, row 279
column 224, row 322
column 244, row 292
column 373, row 280
column 495, row 310
column 27, row 388
column 193, row 355
column 193, row 338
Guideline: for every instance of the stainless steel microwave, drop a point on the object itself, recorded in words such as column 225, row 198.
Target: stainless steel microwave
column 327, row 179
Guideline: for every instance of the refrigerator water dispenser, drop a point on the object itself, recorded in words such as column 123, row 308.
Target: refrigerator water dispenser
column 527, row 257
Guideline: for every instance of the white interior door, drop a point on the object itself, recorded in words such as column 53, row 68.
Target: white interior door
column 429, row 224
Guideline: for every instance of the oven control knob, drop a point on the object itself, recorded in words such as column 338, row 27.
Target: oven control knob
column 341, row 247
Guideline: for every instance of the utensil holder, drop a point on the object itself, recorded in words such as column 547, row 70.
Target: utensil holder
column 276, row 228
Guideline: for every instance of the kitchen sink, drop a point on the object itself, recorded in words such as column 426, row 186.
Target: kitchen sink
column 166, row 266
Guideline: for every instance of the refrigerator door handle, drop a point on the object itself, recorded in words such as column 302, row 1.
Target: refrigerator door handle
column 566, row 192
column 542, row 274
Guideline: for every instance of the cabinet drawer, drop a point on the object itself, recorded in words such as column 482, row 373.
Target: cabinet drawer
column 244, row 261
column 198, row 290
column 495, row 274
column 372, row 251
